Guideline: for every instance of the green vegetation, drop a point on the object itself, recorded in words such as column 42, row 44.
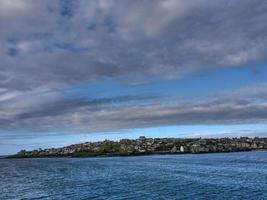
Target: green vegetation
column 146, row 146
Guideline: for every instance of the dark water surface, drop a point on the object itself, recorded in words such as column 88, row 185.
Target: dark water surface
column 204, row 176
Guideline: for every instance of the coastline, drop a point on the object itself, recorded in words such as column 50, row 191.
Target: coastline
column 149, row 146
column 135, row 155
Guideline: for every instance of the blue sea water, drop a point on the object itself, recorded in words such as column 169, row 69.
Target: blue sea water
column 204, row 176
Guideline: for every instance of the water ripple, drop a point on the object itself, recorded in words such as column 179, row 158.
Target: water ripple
column 205, row 176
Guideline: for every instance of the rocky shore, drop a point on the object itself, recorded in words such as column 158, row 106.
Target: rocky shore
column 146, row 146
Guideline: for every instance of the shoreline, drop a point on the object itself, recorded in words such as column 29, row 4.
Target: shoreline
column 135, row 155
column 149, row 146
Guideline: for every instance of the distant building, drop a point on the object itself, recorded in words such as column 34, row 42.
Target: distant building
column 182, row 148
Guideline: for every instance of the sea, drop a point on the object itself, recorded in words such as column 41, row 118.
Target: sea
column 216, row 176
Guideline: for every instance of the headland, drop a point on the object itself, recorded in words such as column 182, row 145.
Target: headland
column 148, row 146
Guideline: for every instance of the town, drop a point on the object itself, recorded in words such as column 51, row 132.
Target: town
column 147, row 146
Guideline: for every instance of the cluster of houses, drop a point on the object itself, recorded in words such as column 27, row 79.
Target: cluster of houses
column 144, row 145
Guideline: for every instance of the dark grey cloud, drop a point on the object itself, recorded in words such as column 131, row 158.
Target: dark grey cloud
column 46, row 46
column 102, row 115
column 63, row 42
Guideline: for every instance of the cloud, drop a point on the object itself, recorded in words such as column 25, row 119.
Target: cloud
column 54, row 112
column 48, row 46
column 59, row 43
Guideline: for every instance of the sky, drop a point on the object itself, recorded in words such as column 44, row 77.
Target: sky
column 75, row 71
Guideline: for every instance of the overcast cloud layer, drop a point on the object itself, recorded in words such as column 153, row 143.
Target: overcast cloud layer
column 50, row 46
